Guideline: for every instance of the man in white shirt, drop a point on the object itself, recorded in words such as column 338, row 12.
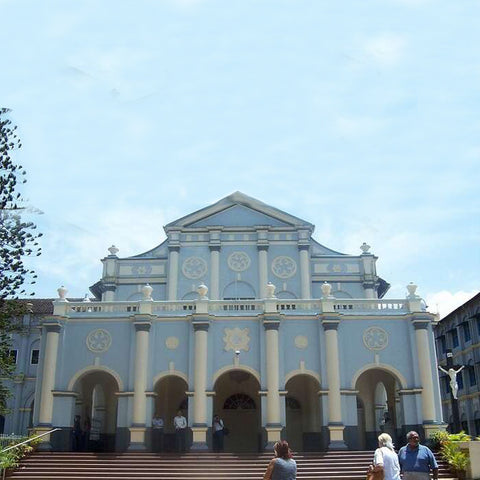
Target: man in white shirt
column 180, row 424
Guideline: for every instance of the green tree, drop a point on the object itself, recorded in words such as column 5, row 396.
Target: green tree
column 18, row 239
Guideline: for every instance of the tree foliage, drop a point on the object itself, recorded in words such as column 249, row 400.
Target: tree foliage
column 18, row 239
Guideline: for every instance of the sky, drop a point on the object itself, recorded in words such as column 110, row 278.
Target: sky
column 359, row 117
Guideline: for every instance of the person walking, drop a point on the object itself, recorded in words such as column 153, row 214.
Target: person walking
column 386, row 459
column 283, row 466
column 180, row 424
column 417, row 460
column 218, row 433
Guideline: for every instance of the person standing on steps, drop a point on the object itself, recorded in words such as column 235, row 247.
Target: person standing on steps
column 417, row 460
column 180, row 424
column 77, row 434
column 218, row 433
column 157, row 433
column 283, row 466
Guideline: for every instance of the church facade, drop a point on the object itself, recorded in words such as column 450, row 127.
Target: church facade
column 240, row 313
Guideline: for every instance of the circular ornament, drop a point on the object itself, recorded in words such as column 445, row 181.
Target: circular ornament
column 99, row 341
column 141, row 269
column 238, row 261
column 284, row 267
column 375, row 338
column 172, row 343
column 194, row 267
column 301, row 342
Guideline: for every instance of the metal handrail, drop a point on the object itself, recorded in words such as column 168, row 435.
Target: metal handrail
column 29, row 440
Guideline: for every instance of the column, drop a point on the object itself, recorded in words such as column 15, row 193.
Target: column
column 335, row 425
column 426, row 374
column 173, row 272
column 262, row 270
column 200, row 425
column 305, row 270
column 137, row 430
column 214, row 272
column 273, row 426
column 49, row 368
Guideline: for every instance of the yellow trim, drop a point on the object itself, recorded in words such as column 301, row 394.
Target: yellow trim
column 294, row 373
column 169, row 373
column 380, row 366
column 229, row 368
column 92, row 369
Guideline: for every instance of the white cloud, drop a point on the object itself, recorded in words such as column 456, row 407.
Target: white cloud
column 444, row 302
column 386, row 49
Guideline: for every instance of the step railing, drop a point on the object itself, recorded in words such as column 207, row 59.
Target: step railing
column 24, row 443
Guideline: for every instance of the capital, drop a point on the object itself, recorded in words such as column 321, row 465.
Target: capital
column 201, row 326
column 330, row 325
column 142, row 326
column 52, row 327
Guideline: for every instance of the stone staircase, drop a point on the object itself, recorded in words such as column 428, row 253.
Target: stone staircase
column 338, row 465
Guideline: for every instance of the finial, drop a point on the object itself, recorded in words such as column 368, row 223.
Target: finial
column 202, row 290
column 147, row 292
column 62, row 291
column 326, row 290
column 85, row 298
column 271, row 290
column 113, row 251
column 412, row 288
column 364, row 247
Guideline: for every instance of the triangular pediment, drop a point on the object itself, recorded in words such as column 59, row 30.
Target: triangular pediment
column 239, row 209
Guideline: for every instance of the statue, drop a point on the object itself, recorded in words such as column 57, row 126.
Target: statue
column 452, row 373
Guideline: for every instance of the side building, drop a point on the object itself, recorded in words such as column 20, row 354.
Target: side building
column 241, row 313
column 459, row 333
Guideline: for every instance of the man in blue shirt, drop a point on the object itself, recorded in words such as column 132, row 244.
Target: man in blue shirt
column 417, row 460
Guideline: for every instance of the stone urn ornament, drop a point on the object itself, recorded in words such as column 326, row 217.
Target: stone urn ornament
column 62, row 291
column 147, row 292
column 365, row 247
column 412, row 288
column 202, row 291
column 113, row 251
column 271, row 290
column 326, row 290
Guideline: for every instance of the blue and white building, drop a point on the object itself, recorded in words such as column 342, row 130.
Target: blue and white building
column 238, row 312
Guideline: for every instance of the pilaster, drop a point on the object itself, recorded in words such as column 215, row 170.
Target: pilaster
column 304, row 251
column 173, row 254
column 138, row 427
column 330, row 325
column 201, row 325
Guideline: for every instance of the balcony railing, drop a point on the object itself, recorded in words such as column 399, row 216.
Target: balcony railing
column 239, row 307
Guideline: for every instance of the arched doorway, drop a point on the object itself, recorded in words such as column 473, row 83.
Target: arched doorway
column 376, row 396
column 237, row 401
column 171, row 397
column 303, row 413
column 97, row 406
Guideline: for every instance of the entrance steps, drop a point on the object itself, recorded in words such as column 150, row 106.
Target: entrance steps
column 338, row 465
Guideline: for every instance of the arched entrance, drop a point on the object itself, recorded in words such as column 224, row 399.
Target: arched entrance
column 97, row 406
column 303, row 413
column 237, row 401
column 379, row 411
column 171, row 397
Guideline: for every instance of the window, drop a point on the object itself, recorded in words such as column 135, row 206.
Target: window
column 442, row 344
column 446, row 383
column 471, row 375
column 455, row 341
column 239, row 401
column 460, row 380
column 34, row 357
column 13, row 355
column 466, row 332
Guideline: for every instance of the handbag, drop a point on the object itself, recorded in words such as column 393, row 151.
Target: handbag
column 378, row 475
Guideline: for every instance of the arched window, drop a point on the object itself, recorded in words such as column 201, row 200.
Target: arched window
column 239, row 401
column 292, row 403
column 239, row 291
